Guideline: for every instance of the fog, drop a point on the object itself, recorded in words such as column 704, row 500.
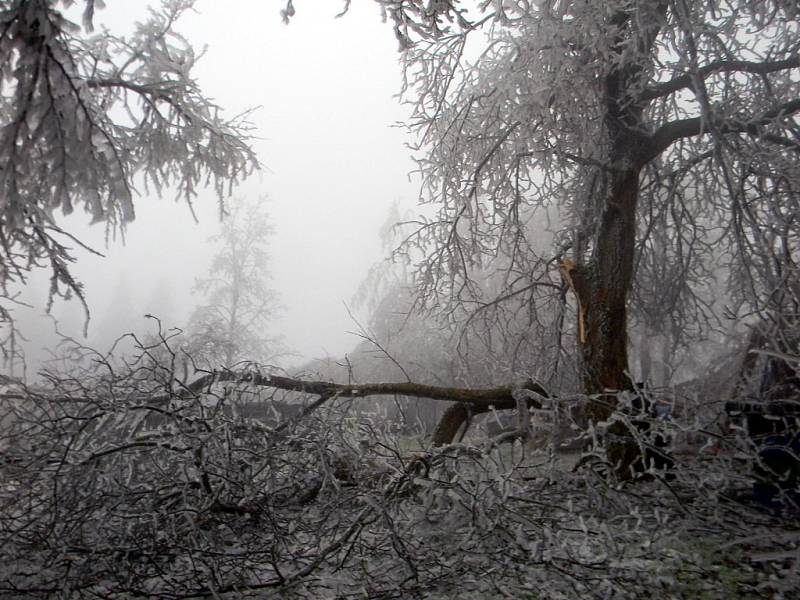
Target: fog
column 333, row 164
column 580, row 381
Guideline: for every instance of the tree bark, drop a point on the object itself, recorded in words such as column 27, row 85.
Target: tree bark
column 480, row 399
column 468, row 401
column 456, row 416
column 604, row 284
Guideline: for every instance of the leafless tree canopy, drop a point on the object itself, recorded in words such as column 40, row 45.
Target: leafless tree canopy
column 653, row 144
column 234, row 323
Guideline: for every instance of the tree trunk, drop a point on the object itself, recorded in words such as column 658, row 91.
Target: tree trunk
column 603, row 283
column 602, row 287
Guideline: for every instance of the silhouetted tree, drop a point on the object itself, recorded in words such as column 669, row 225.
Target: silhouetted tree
column 234, row 323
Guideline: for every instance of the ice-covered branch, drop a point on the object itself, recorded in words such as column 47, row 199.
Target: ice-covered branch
column 687, row 81
column 668, row 134
column 481, row 398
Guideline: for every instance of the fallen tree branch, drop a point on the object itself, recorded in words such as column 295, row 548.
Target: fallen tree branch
column 469, row 401
column 478, row 398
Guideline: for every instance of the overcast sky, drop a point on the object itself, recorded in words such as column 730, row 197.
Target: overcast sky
column 334, row 164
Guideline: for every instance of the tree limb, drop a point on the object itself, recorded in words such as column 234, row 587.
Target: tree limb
column 668, row 134
column 686, row 81
column 498, row 397
column 481, row 399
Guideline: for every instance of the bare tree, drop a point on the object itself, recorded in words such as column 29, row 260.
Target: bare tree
column 86, row 118
column 234, row 324
column 605, row 119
